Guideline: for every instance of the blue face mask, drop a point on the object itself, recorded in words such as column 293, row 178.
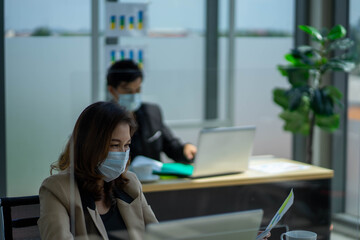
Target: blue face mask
column 114, row 165
column 131, row 102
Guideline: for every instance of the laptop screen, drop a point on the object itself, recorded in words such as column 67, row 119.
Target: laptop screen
column 224, row 150
column 230, row 226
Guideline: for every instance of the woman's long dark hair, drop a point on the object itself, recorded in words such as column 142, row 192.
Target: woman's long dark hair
column 89, row 145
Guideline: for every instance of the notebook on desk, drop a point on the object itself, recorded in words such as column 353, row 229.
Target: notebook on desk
column 221, row 151
column 242, row 225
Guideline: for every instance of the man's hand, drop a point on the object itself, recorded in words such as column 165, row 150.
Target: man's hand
column 189, row 151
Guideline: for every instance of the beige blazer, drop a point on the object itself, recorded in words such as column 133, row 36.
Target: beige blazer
column 54, row 221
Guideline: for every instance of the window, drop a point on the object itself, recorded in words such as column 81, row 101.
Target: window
column 261, row 43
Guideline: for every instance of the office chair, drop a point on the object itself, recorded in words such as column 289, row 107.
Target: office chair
column 20, row 215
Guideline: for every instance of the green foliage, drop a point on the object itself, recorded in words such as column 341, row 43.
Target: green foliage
column 337, row 32
column 308, row 101
column 295, row 122
column 312, row 31
column 41, row 32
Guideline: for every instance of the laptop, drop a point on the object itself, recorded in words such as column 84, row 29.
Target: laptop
column 223, row 151
column 242, row 225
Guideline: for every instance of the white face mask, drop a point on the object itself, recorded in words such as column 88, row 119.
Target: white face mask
column 131, row 102
column 114, row 165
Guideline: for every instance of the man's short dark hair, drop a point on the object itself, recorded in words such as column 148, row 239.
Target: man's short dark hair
column 123, row 71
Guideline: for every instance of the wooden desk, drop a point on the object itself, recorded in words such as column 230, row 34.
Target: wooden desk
column 182, row 198
column 248, row 177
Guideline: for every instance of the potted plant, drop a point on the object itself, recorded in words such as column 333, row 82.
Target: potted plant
column 309, row 101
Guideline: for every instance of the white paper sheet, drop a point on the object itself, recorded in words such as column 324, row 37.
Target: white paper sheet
column 279, row 214
column 278, row 167
column 142, row 160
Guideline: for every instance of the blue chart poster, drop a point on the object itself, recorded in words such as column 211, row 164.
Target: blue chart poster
column 126, row 19
column 116, row 52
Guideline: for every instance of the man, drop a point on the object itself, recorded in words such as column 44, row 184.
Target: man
column 124, row 80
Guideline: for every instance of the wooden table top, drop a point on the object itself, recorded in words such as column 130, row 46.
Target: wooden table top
column 260, row 171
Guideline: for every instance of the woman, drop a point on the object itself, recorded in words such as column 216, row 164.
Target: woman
column 107, row 198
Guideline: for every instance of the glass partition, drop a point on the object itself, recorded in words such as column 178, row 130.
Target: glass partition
column 261, row 43
column 47, row 85
column 352, row 204
column 173, row 57
column 48, row 74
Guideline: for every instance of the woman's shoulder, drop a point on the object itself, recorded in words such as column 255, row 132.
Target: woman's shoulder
column 57, row 188
column 56, row 180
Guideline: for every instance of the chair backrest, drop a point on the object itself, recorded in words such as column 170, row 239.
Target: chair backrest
column 20, row 215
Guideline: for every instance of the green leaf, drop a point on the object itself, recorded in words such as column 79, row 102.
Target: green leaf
column 312, row 31
column 289, row 57
column 280, row 97
column 337, row 32
column 282, row 70
column 328, row 123
column 339, row 65
column 334, row 94
column 304, row 58
column 316, row 101
column 305, row 104
column 298, row 77
column 323, row 60
column 295, row 96
column 305, row 48
column 321, row 103
column 296, row 122
column 341, row 44
column 294, row 99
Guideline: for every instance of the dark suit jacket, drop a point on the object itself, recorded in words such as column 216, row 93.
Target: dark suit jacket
column 154, row 137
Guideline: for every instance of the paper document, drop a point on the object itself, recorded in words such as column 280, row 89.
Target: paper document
column 278, row 167
column 142, row 160
column 279, row 214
